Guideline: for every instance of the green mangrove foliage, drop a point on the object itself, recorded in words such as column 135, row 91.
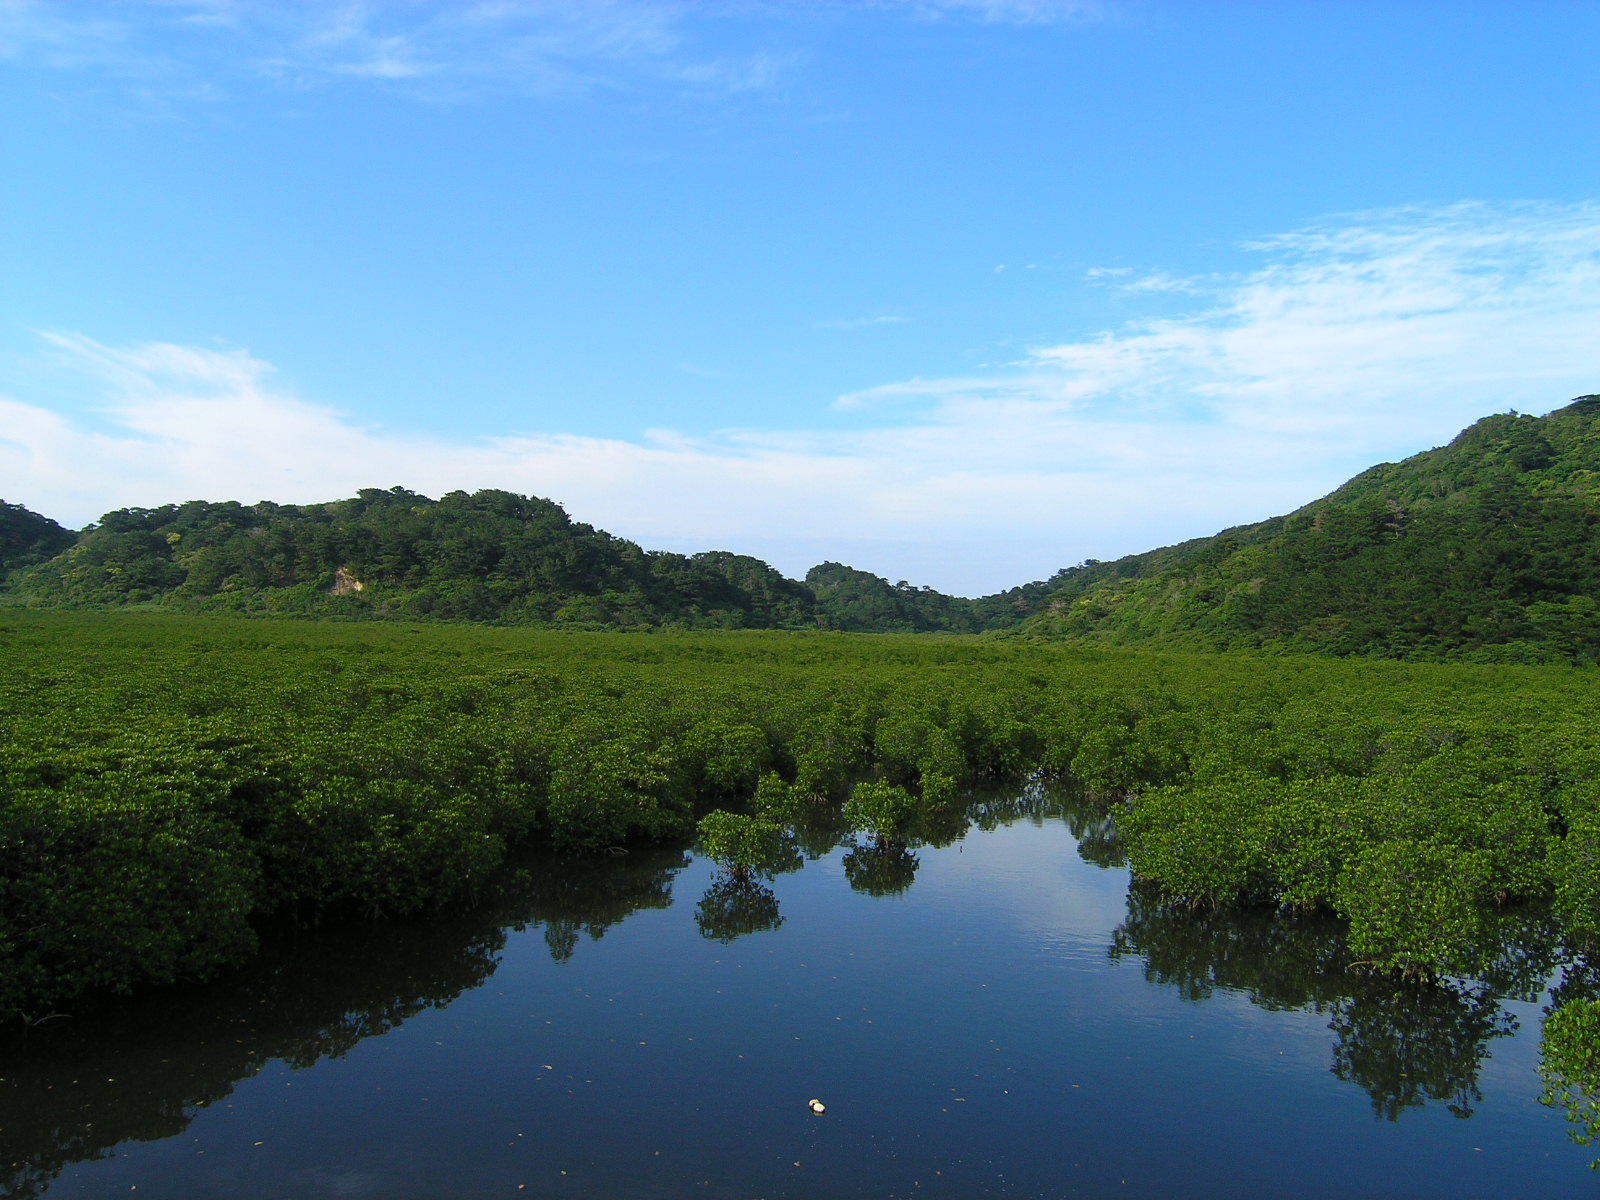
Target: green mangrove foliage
column 747, row 847
column 1575, row 868
column 1415, row 838
column 1569, row 1064
column 168, row 782
column 880, row 809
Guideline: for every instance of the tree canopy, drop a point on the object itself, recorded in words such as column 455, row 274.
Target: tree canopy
column 1487, row 548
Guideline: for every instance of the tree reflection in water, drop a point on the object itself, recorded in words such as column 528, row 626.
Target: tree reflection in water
column 1094, row 824
column 188, row 1047
column 309, row 996
column 1408, row 1044
column 1034, row 802
column 317, row 995
column 733, row 907
column 1404, row 1044
column 880, row 868
column 821, row 831
column 589, row 896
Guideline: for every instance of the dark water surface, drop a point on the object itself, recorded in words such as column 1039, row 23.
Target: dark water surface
column 996, row 1016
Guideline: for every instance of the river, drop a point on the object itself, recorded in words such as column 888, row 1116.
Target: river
column 988, row 1013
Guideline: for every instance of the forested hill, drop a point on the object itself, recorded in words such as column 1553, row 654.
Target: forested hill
column 26, row 537
column 487, row 556
column 1488, row 548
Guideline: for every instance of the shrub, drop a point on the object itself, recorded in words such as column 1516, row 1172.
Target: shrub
column 1575, row 868
column 881, row 809
column 624, row 788
column 777, row 800
column 728, row 758
column 1203, row 844
column 1415, row 907
column 113, row 884
column 746, row 846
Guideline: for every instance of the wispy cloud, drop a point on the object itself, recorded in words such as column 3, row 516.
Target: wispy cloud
column 66, row 39
column 1375, row 329
column 1126, row 279
column 865, row 322
column 1353, row 341
column 703, row 372
column 973, row 509
column 751, row 73
column 441, row 50
column 450, row 50
column 348, row 44
column 1010, row 12
column 534, row 45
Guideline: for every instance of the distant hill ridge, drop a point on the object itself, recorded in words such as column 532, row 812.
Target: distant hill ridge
column 1487, row 548
column 26, row 537
column 484, row 556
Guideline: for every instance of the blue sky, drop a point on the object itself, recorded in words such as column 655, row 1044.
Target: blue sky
column 958, row 291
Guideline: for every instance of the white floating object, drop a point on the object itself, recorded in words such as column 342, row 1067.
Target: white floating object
column 818, row 1107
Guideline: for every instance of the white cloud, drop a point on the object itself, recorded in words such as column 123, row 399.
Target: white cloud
column 448, row 49
column 1354, row 341
column 923, row 503
column 865, row 322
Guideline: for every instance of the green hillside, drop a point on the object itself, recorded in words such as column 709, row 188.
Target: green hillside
column 487, row 556
column 1488, row 548
column 26, row 537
